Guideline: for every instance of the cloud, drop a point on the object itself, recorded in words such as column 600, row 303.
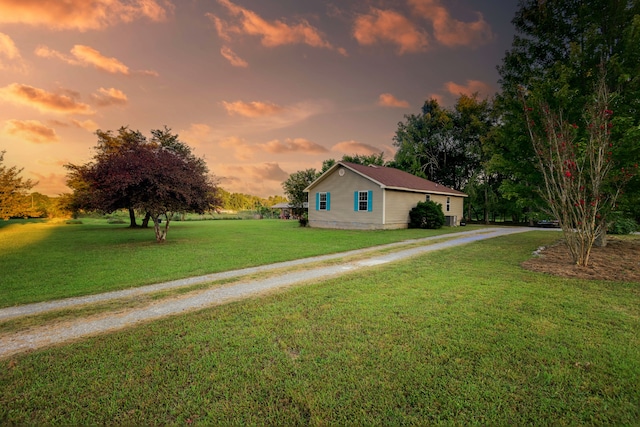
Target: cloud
column 297, row 145
column 196, row 134
column 269, row 172
column 391, row 27
column 355, row 147
column 260, row 179
column 241, row 149
column 472, row 86
column 234, row 59
column 111, row 96
column 31, row 130
column 388, row 100
column 51, row 184
column 8, row 48
column 88, row 125
column 86, row 56
column 252, row 109
column 90, row 56
column 271, row 33
column 449, row 31
column 82, row 15
column 10, row 58
column 43, row 100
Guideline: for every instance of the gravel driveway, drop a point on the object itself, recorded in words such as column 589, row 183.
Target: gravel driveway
column 77, row 328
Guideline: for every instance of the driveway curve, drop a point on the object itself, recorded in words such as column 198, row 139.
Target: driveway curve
column 77, row 328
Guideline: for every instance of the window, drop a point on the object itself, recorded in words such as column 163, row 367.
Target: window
column 323, row 201
column 427, row 198
column 448, row 204
column 362, row 201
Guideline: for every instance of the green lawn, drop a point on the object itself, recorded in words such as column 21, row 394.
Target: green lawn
column 462, row 336
column 41, row 261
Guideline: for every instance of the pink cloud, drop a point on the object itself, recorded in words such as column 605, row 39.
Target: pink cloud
column 472, row 86
column 297, row 145
column 271, row 33
column 51, row 184
column 111, row 96
column 252, row 109
column 260, row 179
column 82, row 15
column 85, row 56
column 241, row 149
column 388, row 100
column 31, row 130
column 355, row 147
column 449, row 31
column 391, row 27
column 8, row 48
column 88, row 125
column 234, row 59
column 43, row 100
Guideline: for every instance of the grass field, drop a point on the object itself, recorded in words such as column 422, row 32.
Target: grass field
column 42, row 261
column 462, row 336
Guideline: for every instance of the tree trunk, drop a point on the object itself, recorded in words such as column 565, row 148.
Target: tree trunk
column 132, row 218
column 145, row 221
column 486, row 204
column 161, row 234
column 601, row 239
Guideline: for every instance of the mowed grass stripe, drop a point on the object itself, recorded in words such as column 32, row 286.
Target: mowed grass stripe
column 46, row 261
column 461, row 336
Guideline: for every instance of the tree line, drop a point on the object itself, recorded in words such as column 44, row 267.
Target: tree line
column 560, row 140
column 506, row 152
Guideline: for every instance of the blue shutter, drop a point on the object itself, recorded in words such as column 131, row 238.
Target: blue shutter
column 317, row 201
column 370, row 201
column 355, row 201
column 328, row 201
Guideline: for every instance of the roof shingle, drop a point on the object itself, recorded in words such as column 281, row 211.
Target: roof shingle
column 396, row 179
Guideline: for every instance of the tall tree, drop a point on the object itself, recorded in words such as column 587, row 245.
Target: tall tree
column 13, row 191
column 161, row 176
column 557, row 52
column 109, row 148
column 294, row 189
column 446, row 145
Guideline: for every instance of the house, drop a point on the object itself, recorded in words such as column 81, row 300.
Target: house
column 353, row 196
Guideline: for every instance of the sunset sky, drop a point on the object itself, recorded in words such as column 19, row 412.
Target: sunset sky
column 260, row 89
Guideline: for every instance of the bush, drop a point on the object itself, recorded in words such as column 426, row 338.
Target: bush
column 426, row 215
column 621, row 225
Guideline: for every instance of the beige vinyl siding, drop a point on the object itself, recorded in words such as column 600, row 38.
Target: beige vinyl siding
column 456, row 206
column 399, row 203
column 341, row 213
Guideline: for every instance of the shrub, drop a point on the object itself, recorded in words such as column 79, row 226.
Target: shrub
column 621, row 225
column 426, row 215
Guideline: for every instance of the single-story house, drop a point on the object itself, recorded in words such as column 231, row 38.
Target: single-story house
column 353, row 196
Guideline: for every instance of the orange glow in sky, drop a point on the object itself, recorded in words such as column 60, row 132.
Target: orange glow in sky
column 260, row 89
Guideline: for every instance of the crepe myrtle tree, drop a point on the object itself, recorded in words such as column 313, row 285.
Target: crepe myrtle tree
column 581, row 180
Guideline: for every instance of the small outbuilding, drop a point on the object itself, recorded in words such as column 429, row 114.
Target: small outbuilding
column 353, row 196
